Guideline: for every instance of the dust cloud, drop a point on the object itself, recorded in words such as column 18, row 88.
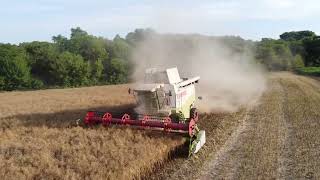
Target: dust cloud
column 229, row 79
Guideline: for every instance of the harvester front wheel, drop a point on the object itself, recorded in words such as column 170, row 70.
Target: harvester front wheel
column 177, row 117
column 194, row 113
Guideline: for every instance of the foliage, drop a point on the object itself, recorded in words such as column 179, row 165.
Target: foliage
column 297, row 47
column 14, row 69
column 312, row 48
column 41, row 56
column 91, row 48
column 101, row 54
column 138, row 35
column 297, row 35
column 70, row 70
column 80, row 60
column 83, row 59
column 312, row 71
column 298, row 62
column 119, row 48
column 96, row 69
column 36, row 84
column 116, row 71
column 275, row 54
column 293, row 50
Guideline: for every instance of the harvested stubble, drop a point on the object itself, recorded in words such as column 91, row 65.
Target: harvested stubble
column 38, row 139
column 276, row 139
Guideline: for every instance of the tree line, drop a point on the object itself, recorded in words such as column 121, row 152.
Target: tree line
column 80, row 60
column 293, row 50
column 86, row 60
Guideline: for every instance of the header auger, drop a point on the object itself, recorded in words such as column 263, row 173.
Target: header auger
column 165, row 102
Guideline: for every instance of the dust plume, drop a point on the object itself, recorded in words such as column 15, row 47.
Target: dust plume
column 228, row 78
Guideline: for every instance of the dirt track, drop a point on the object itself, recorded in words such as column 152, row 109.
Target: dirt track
column 280, row 137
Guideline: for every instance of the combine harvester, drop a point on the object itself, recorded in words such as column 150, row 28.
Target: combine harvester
column 165, row 102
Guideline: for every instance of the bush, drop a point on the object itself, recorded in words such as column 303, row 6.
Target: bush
column 36, row 84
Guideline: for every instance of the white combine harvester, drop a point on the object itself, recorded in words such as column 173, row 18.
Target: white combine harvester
column 165, row 101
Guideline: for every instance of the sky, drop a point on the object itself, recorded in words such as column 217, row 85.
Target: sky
column 39, row 20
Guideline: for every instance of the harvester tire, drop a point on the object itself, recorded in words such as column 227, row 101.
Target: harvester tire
column 177, row 117
column 193, row 112
column 174, row 117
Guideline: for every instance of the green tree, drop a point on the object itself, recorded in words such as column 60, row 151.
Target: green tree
column 14, row 69
column 275, row 54
column 91, row 48
column 297, row 35
column 139, row 35
column 298, row 62
column 297, row 47
column 70, row 70
column 116, row 71
column 312, row 47
column 41, row 56
column 267, row 56
column 96, row 71
column 62, row 42
column 119, row 48
column 284, row 55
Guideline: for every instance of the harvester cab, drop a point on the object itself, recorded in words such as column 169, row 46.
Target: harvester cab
column 164, row 93
column 164, row 101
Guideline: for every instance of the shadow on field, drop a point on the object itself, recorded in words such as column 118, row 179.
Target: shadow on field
column 68, row 119
column 62, row 119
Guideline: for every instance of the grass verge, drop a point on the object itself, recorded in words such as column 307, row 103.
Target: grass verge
column 310, row 71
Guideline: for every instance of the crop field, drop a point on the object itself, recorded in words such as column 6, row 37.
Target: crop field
column 39, row 139
column 276, row 138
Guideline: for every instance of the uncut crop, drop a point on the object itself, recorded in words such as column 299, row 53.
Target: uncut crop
column 40, row 139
